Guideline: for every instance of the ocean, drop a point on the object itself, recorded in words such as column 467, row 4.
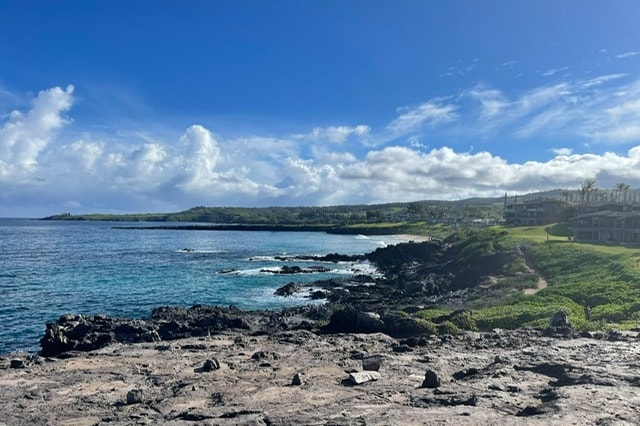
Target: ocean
column 51, row 268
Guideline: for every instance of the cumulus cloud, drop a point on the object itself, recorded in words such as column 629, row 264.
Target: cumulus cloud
column 563, row 151
column 94, row 173
column 200, row 157
column 25, row 135
column 401, row 173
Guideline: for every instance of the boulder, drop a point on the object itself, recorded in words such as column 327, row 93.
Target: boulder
column 287, row 290
column 431, row 380
column 361, row 377
column 211, row 364
column 559, row 319
column 17, row 363
column 467, row 372
column 297, row 380
column 372, row 363
column 351, row 320
column 134, row 396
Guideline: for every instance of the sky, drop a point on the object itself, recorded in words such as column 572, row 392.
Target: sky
column 157, row 106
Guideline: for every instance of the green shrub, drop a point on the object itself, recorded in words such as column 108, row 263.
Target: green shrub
column 429, row 327
column 464, row 320
column 432, row 313
column 608, row 313
column 560, row 230
column 448, row 327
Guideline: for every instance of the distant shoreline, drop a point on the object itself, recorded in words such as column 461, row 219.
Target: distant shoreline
column 373, row 230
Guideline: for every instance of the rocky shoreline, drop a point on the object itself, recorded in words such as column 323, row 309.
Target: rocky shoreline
column 357, row 359
column 300, row 377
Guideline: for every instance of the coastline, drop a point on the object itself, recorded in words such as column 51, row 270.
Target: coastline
column 361, row 358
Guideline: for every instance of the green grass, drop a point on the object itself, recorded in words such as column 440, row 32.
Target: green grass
column 532, row 234
column 598, row 285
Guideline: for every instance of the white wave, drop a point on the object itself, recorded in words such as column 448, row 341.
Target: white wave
column 297, row 258
column 266, row 295
column 341, row 268
column 263, row 259
column 361, row 237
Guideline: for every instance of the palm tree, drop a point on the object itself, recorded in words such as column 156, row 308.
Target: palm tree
column 621, row 188
column 587, row 188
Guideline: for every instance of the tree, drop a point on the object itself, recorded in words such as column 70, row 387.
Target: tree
column 587, row 188
column 621, row 188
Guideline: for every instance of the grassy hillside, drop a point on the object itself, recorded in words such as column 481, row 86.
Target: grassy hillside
column 599, row 286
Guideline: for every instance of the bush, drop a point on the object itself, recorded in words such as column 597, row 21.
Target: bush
column 608, row 313
column 448, row 327
column 560, row 230
column 429, row 327
column 464, row 320
column 433, row 313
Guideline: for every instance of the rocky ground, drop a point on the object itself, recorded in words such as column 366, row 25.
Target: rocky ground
column 298, row 377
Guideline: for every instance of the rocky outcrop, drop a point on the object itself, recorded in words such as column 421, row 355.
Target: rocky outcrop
column 287, row 290
column 87, row 333
column 291, row 270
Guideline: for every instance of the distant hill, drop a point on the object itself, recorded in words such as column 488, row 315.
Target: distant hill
column 427, row 210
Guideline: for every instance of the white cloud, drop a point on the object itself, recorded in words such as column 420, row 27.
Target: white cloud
column 627, row 54
column 429, row 113
column 508, row 64
column 145, row 173
column 201, row 155
column 553, row 71
column 492, row 102
column 25, row 135
column 562, row 151
column 336, row 134
column 82, row 154
column 587, row 84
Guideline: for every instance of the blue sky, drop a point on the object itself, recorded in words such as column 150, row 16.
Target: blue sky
column 124, row 106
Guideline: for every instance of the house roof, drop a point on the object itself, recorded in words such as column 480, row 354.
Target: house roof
column 608, row 214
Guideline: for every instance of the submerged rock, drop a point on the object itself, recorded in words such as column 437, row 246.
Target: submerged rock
column 288, row 290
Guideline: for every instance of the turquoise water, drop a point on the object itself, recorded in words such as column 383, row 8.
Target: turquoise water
column 51, row 268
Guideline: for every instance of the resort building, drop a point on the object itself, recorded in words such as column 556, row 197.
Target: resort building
column 612, row 224
column 541, row 211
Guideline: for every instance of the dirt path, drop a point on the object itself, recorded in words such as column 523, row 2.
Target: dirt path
column 542, row 283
